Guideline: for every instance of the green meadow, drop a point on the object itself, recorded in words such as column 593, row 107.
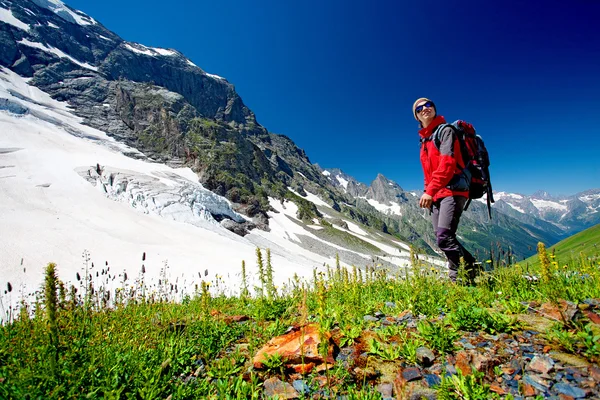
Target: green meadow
column 82, row 341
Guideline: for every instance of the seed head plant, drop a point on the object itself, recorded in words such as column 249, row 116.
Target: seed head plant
column 51, row 303
column 544, row 262
column 261, row 271
column 271, row 290
column 245, row 293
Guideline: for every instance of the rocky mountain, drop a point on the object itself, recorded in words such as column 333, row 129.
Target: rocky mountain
column 167, row 110
column 569, row 214
column 401, row 212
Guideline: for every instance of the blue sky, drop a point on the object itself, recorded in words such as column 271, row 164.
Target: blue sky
column 339, row 77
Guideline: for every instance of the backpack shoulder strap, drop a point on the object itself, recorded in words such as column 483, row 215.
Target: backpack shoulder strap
column 435, row 136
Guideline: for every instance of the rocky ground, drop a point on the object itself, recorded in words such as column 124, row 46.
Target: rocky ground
column 524, row 364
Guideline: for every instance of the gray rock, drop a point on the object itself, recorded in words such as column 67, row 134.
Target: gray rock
column 432, row 380
column 419, row 393
column 541, row 364
column 406, row 317
column 370, row 318
column 274, row 387
column 569, row 390
column 390, row 304
column 385, row 389
column 540, row 384
column 425, row 357
column 467, row 345
column 301, row 387
column 450, row 369
column 411, row 374
column 239, row 228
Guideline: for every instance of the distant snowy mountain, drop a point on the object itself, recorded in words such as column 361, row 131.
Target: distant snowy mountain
column 569, row 213
column 518, row 221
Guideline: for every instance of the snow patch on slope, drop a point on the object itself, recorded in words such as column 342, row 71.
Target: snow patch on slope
column 313, row 198
column 546, row 204
column 140, row 49
column 342, row 181
column 6, row 16
column 392, row 209
column 506, row 195
column 57, row 52
column 589, row 198
column 61, row 9
column 519, row 209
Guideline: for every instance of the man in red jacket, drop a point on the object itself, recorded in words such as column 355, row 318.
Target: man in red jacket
column 446, row 185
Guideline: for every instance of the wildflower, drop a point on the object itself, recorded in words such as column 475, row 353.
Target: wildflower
column 488, row 261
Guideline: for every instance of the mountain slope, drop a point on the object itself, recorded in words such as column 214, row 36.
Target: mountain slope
column 582, row 245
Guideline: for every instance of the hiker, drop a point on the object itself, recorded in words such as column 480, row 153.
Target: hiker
column 446, row 186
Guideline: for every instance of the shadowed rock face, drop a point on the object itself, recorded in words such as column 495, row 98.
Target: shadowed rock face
column 30, row 52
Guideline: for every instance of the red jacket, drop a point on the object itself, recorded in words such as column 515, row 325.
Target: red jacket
column 441, row 161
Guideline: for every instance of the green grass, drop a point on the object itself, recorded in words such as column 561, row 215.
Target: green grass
column 584, row 244
column 138, row 344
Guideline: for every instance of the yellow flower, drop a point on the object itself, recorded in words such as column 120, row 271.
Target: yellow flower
column 489, row 261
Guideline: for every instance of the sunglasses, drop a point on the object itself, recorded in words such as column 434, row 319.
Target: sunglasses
column 428, row 104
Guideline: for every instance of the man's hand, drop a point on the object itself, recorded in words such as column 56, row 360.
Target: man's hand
column 426, row 201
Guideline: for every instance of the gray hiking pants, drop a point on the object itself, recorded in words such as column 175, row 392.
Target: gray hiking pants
column 445, row 219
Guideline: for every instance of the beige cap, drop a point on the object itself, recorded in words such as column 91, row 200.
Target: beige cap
column 419, row 101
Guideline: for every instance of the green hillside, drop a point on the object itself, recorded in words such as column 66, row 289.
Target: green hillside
column 585, row 243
